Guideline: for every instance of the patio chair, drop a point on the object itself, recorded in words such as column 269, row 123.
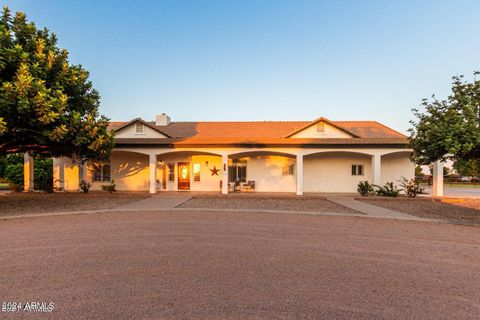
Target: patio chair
column 249, row 186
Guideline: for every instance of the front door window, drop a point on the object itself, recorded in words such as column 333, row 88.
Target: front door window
column 183, row 176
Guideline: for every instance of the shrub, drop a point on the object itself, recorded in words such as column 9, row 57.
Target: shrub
column 109, row 187
column 410, row 187
column 3, row 166
column 43, row 174
column 13, row 172
column 365, row 188
column 85, row 186
column 388, row 190
column 14, row 175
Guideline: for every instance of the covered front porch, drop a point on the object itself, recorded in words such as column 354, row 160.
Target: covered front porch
column 279, row 170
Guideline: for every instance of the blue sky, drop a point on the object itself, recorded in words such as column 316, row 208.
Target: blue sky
column 266, row 60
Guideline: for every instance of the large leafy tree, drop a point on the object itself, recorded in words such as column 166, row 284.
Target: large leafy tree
column 47, row 105
column 450, row 128
column 468, row 168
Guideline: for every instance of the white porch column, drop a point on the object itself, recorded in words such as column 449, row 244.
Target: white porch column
column 58, row 173
column 61, row 174
column 437, row 189
column 299, row 174
column 225, row 174
column 377, row 169
column 28, row 176
column 81, row 173
column 153, row 173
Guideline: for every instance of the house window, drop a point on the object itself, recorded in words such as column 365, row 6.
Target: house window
column 171, row 172
column 196, row 172
column 288, row 170
column 101, row 172
column 357, row 169
column 321, row 127
column 139, row 128
column 237, row 171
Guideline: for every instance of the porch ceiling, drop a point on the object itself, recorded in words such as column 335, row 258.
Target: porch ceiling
column 260, row 153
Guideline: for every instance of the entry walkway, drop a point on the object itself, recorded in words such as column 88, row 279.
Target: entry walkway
column 371, row 210
column 158, row 201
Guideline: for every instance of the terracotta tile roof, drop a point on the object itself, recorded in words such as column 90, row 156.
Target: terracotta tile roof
column 369, row 129
column 363, row 132
column 179, row 142
column 114, row 125
column 253, row 129
column 265, row 129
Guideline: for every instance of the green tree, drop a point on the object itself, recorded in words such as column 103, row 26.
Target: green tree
column 47, row 105
column 448, row 129
column 419, row 171
column 3, row 165
column 468, row 168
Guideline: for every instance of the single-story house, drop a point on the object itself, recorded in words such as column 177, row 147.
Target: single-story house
column 262, row 156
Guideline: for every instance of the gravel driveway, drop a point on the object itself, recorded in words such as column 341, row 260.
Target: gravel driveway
column 452, row 210
column 39, row 202
column 213, row 265
column 266, row 202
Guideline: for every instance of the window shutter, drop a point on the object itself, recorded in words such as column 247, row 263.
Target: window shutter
column 139, row 127
column 321, row 127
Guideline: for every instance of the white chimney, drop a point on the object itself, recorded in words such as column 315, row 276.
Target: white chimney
column 162, row 120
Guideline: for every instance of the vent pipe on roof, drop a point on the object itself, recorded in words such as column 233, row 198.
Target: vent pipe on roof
column 162, row 120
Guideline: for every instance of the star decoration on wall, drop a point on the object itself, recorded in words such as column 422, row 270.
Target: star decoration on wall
column 215, row 171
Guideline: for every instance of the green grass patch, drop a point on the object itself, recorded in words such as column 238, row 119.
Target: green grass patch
column 3, row 186
column 462, row 185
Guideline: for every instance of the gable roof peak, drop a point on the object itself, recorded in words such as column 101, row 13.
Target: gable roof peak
column 148, row 124
column 321, row 119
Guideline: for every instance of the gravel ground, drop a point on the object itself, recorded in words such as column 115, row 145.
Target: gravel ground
column 36, row 202
column 453, row 210
column 212, row 265
column 267, row 202
column 467, row 203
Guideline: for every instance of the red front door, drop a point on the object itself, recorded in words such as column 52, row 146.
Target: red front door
column 183, row 176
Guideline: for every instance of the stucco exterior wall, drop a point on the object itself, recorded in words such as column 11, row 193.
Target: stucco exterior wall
column 129, row 170
column 129, row 132
column 330, row 132
column 207, row 162
column 71, row 174
column 395, row 166
column 267, row 172
column 332, row 172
